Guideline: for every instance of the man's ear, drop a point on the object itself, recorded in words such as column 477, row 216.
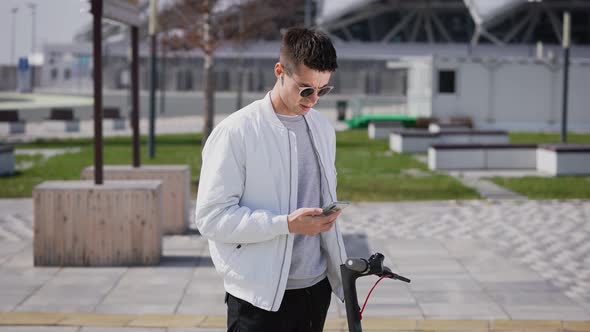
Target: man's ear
column 279, row 70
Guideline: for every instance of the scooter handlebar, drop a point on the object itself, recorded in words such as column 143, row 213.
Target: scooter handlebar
column 357, row 264
column 387, row 272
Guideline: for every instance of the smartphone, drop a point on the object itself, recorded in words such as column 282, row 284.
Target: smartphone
column 334, row 207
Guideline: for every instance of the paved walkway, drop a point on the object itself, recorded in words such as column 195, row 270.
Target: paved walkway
column 164, row 125
column 484, row 263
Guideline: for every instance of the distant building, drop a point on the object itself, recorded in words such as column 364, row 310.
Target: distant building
column 474, row 58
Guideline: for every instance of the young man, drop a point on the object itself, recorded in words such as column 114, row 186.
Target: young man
column 267, row 169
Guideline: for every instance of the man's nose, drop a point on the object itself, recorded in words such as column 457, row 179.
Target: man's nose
column 314, row 97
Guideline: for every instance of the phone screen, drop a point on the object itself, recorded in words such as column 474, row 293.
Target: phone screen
column 334, row 207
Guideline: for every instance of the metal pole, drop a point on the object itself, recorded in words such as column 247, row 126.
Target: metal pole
column 12, row 42
column 566, row 65
column 151, row 140
column 33, row 42
column 153, row 80
column 163, row 79
column 135, row 95
column 97, row 71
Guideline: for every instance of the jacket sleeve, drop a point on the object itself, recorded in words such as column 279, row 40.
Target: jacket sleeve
column 218, row 215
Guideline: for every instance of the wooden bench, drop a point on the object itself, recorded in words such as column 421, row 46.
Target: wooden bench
column 10, row 123
column 62, row 119
column 446, row 127
column 482, row 156
column 463, row 121
column 382, row 129
column 419, row 140
column 112, row 118
column 564, row 159
column 6, row 159
column 423, row 122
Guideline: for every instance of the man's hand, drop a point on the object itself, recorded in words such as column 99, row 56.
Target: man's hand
column 310, row 221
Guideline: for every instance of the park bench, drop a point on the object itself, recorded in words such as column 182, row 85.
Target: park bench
column 564, row 159
column 10, row 123
column 481, row 156
column 62, row 119
column 6, row 159
column 424, row 122
column 454, row 123
column 419, row 140
column 112, row 118
column 382, row 129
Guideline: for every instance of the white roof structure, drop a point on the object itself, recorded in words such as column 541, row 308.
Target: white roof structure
column 500, row 22
column 482, row 11
column 486, row 11
column 332, row 9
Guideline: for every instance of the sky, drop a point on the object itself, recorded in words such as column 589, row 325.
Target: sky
column 57, row 21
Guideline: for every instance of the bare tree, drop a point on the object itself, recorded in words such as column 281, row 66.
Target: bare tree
column 206, row 24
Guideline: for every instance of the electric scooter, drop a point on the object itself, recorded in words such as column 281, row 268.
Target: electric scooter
column 353, row 269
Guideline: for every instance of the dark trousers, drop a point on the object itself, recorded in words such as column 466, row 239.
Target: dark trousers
column 302, row 310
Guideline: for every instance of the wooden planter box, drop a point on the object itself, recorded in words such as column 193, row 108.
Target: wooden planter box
column 78, row 223
column 175, row 190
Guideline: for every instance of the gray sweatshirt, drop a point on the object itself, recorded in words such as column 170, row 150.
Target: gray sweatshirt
column 308, row 264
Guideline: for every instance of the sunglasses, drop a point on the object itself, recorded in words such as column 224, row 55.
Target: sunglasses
column 306, row 91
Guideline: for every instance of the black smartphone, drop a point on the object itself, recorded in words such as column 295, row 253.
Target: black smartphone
column 334, row 207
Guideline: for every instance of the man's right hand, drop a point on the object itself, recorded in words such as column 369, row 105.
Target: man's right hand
column 310, row 221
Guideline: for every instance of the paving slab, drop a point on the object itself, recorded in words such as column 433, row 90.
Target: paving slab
column 482, row 261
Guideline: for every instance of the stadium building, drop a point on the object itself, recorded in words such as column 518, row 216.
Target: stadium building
column 498, row 62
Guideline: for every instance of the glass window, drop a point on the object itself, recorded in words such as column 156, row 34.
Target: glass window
column 446, row 81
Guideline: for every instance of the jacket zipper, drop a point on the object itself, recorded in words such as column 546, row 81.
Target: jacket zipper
column 327, row 183
column 289, row 209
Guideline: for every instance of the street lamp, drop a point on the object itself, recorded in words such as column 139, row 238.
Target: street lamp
column 14, row 11
column 33, row 7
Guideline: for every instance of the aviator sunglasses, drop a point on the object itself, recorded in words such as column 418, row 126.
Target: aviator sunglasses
column 306, row 91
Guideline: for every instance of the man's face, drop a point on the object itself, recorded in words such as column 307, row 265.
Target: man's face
column 290, row 84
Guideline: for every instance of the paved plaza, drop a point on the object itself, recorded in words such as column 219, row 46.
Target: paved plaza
column 472, row 262
column 503, row 263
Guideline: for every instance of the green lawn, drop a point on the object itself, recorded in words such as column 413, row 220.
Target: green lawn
column 535, row 187
column 171, row 149
column 366, row 170
column 538, row 138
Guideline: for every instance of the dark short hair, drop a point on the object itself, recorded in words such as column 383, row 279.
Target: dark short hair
column 310, row 47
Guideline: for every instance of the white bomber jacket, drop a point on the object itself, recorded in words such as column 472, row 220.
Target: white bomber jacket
column 247, row 188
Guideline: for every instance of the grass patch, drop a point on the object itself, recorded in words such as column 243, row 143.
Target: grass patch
column 170, row 149
column 542, row 138
column 563, row 187
column 368, row 171
column 537, row 187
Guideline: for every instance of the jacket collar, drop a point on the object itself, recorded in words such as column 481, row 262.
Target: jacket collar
column 268, row 113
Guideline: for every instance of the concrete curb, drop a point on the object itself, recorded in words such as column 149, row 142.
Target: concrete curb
column 338, row 324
